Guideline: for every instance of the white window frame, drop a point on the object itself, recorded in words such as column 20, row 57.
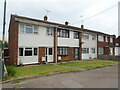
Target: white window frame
column 93, row 37
column 106, row 39
column 49, row 31
column 111, row 39
column 100, row 50
column 21, row 28
column 86, row 50
column 34, row 31
column 85, row 36
column 76, row 35
column 93, row 50
column 24, row 51
column 100, row 38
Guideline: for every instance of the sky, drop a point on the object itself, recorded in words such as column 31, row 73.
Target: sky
column 73, row 11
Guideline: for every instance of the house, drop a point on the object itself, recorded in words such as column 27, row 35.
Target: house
column 105, row 44
column 32, row 41
column 117, row 46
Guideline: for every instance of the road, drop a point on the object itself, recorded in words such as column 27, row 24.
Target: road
column 106, row 77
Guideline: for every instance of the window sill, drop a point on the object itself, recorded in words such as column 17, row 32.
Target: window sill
column 62, row 55
column 63, row 37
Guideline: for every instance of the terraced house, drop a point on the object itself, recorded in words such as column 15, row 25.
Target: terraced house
column 32, row 41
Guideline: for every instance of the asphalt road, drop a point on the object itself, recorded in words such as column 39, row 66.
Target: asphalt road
column 106, row 77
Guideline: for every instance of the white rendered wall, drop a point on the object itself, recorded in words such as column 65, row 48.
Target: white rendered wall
column 89, row 43
column 117, row 51
column 68, row 42
column 34, row 40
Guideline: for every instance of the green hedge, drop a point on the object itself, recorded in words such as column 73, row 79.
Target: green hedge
column 11, row 71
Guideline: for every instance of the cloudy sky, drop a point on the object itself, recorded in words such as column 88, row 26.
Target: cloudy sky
column 66, row 10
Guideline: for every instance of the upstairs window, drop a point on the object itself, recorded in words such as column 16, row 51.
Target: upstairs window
column 27, row 28
column 85, row 50
column 85, row 36
column 35, row 30
column 111, row 39
column 106, row 39
column 21, row 28
column 50, row 31
column 93, row 37
column 63, row 33
column 76, row 35
column 100, row 38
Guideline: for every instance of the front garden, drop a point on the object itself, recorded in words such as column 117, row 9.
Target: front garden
column 40, row 70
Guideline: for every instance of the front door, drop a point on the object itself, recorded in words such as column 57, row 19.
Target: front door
column 76, row 52
column 49, row 54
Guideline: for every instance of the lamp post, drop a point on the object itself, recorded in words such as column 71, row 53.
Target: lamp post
column 3, row 37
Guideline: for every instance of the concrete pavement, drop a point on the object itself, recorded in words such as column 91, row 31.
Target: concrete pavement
column 106, row 77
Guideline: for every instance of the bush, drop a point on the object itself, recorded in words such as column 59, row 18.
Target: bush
column 11, row 71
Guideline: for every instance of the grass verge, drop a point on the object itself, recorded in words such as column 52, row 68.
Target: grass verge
column 37, row 71
column 89, row 64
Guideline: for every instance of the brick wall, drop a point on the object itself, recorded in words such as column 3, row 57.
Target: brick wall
column 41, row 53
column 13, row 40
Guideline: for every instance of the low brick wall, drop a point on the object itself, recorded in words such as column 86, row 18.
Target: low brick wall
column 109, row 57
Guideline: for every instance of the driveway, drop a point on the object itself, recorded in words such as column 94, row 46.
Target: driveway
column 106, row 77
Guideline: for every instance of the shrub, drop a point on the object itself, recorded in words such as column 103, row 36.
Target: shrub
column 11, row 71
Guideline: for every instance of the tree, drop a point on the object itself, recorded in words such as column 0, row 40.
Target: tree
column 5, row 45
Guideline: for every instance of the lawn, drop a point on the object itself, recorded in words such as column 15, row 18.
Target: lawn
column 89, row 64
column 39, row 70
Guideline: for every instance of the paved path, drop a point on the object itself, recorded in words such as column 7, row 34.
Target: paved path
column 70, row 67
column 106, row 77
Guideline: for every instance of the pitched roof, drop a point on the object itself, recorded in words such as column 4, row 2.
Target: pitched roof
column 60, row 25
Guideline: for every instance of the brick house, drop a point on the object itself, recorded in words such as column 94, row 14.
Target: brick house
column 106, row 44
column 32, row 41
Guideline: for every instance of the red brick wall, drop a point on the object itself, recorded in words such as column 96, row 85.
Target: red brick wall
column 13, row 40
column 106, row 45
column 41, row 53
column 70, row 55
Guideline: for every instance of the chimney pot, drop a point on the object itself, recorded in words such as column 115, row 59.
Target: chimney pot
column 82, row 26
column 66, row 23
column 45, row 18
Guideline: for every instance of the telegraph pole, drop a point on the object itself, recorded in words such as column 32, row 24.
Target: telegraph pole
column 3, row 37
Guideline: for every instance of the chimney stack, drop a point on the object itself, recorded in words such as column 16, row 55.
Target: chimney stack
column 82, row 26
column 45, row 18
column 66, row 23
